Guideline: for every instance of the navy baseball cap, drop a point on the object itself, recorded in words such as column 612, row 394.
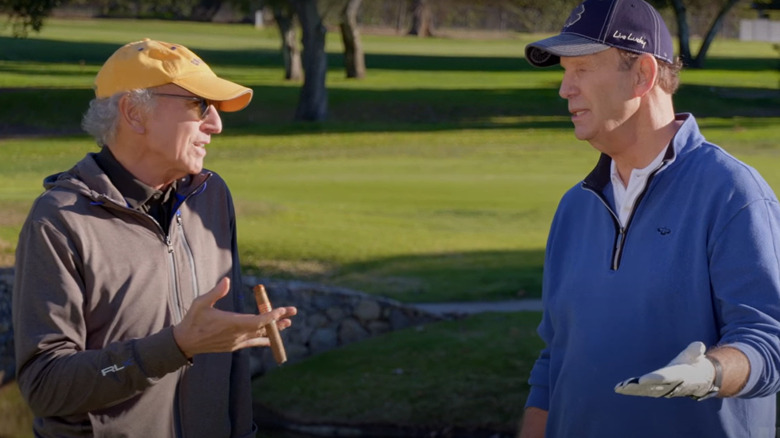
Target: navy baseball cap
column 597, row 25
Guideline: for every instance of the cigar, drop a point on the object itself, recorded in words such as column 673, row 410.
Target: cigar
column 271, row 330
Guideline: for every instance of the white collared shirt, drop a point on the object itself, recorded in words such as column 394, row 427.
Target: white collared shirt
column 625, row 197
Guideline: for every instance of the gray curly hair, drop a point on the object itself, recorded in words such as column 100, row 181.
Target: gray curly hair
column 102, row 117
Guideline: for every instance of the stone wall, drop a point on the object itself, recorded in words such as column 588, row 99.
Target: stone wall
column 327, row 318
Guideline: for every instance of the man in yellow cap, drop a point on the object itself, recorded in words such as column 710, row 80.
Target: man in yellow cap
column 128, row 286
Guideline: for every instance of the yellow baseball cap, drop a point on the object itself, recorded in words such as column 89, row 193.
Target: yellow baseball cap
column 149, row 63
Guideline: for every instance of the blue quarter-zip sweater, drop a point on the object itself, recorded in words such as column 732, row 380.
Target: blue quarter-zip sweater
column 699, row 260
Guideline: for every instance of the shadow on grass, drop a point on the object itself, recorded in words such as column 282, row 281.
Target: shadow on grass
column 94, row 54
column 54, row 111
column 454, row 276
column 87, row 52
column 42, row 111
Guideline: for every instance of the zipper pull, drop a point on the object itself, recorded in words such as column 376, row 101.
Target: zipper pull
column 621, row 235
column 617, row 253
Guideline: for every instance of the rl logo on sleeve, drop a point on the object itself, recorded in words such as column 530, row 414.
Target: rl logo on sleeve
column 116, row 367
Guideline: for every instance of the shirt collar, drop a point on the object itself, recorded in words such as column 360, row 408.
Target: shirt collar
column 136, row 193
column 638, row 174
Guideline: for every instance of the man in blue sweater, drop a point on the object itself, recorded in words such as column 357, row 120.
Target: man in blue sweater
column 662, row 271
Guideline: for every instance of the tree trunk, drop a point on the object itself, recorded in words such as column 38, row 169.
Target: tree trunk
column 714, row 29
column 421, row 19
column 205, row 10
column 400, row 19
column 683, row 32
column 313, row 100
column 291, row 56
column 354, row 59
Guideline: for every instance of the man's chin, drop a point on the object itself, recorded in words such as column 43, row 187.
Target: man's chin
column 196, row 168
column 581, row 135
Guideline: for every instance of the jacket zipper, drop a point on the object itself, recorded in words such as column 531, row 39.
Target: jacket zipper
column 179, row 429
column 188, row 251
column 177, row 308
column 621, row 232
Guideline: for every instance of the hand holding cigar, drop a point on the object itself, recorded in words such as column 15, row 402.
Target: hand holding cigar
column 271, row 330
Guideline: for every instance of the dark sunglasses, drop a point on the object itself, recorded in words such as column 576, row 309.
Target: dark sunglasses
column 203, row 104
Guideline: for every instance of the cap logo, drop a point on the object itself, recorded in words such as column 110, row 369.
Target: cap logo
column 630, row 37
column 538, row 56
column 575, row 16
column 195, row 61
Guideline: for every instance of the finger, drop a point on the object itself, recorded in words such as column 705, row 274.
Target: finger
column 218, row 292
column 633, row 387
column 253, row 342
column 255, row 338
column 278, row 314
column 633, row 380
column 629, row 387
column 284, row 321
column 273, row 316
column 289, row 311
column 283, row 324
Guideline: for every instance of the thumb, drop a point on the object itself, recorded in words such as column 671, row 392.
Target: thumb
column 218, row 292
column 690, row 354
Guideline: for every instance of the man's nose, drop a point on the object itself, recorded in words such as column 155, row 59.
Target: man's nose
column 565, row 90
column 212, row 124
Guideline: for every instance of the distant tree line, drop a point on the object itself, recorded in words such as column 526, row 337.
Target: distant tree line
column 413, row 17
column 421, row 18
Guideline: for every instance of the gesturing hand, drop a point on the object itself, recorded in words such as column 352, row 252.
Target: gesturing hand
column 690, row 374
column 205, row 329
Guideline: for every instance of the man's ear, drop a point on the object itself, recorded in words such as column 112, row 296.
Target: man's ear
column 645, row 74
column 132, row 115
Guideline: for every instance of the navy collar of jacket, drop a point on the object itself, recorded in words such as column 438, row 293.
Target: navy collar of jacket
column 685, row 139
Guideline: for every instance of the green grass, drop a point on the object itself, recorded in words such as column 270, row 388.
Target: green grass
column 384, row 217
column 15, row 418
column 435, row 178
column 460, row 373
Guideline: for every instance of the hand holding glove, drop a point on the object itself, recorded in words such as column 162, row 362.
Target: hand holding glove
column 689, row 374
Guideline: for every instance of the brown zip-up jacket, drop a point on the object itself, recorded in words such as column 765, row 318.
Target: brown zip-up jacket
column 97, row 291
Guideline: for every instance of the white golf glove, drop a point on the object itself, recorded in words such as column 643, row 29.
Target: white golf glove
column 689, row 374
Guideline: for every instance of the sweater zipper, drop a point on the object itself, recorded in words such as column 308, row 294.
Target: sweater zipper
column 622, row 231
